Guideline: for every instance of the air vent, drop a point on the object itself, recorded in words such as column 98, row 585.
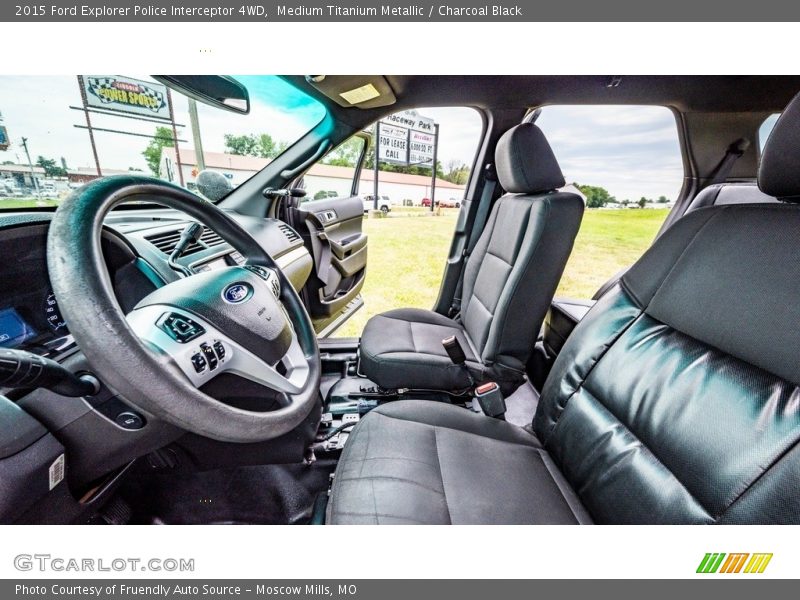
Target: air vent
column 166, row 241
column 290, row 233
column 210, row 238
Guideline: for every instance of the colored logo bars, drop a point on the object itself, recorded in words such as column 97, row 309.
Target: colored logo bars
column 743, row 562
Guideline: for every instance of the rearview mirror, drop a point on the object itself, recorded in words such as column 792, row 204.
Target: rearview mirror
column 218, row 91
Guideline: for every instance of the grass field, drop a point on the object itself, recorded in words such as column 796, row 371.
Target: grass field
column 14, row 203
column 407, row 254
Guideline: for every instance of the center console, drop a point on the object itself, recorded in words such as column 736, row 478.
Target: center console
column 348, row 396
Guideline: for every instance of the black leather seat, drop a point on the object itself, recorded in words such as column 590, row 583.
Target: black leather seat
column 509, row 281
column 724, row 194
column 675, row 400
column 566, row 313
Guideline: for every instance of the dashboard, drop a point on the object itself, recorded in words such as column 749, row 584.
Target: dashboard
column 136, row 246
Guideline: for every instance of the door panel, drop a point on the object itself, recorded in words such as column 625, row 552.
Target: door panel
column 332, row 230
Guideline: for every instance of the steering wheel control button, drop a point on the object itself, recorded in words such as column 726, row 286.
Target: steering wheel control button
column 258, row 270
column 180, row 328
column 129, row 420
column 219, row 349
column 237, row 258
column 267, row 275
column 199, row 362
column 210, row 357
column 238, row 292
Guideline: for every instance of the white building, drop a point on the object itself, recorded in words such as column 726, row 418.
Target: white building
column 398, row 186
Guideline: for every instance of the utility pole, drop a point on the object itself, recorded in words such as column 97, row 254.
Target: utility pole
column 377, row 146
column 435, row 157
column 30, row 164
column 200, row 161
column 85, row 105
column 175, row 137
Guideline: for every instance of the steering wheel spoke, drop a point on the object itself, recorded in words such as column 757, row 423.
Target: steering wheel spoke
column 203, row 352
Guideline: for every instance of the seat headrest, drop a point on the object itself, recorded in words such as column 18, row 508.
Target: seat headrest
column 525, row 162
column 779, row 171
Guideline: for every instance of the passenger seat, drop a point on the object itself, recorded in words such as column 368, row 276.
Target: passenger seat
column 509, row 282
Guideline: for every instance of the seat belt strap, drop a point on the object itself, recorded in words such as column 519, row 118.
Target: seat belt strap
column 732, row 154
column 489, row 187
column 482, row 214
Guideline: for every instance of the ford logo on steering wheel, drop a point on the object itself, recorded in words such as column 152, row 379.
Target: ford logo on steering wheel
column 236, row 293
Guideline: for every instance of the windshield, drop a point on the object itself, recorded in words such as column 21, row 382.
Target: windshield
column 59, row 133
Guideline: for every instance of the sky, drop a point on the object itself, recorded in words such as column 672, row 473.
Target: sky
column 39, row 108
column 631, row 151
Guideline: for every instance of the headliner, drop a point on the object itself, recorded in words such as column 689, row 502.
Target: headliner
column 691, row 93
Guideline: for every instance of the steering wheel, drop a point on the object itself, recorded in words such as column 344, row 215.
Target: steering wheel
column 245, row 320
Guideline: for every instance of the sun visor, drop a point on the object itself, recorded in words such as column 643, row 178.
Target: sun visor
column 362, row 91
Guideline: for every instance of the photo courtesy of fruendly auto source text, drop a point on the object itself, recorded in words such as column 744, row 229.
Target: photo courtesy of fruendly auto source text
column 519, row 279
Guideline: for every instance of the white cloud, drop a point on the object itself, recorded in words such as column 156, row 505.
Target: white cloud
column 632, row 151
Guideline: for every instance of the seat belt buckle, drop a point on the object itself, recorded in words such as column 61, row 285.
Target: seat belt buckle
column 491, row 399
column 454, row 350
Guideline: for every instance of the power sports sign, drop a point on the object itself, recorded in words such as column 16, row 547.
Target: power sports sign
column 407, row 138
column 127, row 95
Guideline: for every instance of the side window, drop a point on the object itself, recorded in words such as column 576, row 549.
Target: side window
column 410, row 225
column 335, row 175
column 626, row 163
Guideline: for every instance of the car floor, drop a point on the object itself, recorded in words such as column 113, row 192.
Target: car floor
column 264, row 494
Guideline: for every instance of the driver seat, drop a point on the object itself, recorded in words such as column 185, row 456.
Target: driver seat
column 509, row 282
column 675, row 400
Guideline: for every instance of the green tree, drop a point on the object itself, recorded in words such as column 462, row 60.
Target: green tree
column 596, row 196
column 242, row 145
column 662, row 200
column 346, row 154
column 262, row 145
column 51, row 168
column 642, row 202
column 457, row 173
column 162, row 138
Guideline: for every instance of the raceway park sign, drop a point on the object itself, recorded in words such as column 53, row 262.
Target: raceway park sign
column 407, row 138
column 124, row 94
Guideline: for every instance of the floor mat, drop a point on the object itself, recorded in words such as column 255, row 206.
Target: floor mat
column 266, row 494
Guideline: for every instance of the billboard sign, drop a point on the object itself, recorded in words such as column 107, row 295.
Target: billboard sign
column 420, row 148
column 127, row 95
column 411, row 120
column 407, row 138
column 393, row 144
column 4, row 143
